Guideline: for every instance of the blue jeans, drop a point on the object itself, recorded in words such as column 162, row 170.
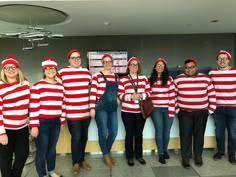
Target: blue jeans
column 79, row 136
column 162, row 123
column 225, row 117
column 46, row 141
column 107, row 124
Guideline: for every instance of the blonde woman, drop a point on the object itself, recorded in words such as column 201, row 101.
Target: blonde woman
column 14, row 133
column 103, row 105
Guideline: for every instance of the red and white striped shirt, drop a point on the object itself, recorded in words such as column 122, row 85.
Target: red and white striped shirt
column 98, row 87
column 14, row 104
column 225, row 86
column 126, row 90
column 76, row 83
column 195, row 93
column 46, row 102
column 164, row 95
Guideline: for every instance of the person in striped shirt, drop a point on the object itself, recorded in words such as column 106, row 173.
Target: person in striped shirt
column 132, row 88
column 196, row 99
column 103, row 107
column 76, row 81
column 47, row 117
column 163, row 99
column 14, row 132
column 224, row 80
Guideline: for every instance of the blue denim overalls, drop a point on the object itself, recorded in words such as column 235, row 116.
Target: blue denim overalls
column 108, row 101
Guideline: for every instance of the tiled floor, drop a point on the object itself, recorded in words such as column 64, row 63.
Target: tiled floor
column 153, row 168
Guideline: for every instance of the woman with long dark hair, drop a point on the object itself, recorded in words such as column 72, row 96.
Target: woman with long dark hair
column 163, row 99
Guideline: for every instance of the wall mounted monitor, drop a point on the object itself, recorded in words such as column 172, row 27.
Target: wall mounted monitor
column 120, row 59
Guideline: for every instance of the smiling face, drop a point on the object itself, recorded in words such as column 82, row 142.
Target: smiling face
column 107, row 63
column 75, row 60
column 133, row 67
column 160, row 66
column 223, row 61
column 50, row 72
column 11, row 71
column 190, row 69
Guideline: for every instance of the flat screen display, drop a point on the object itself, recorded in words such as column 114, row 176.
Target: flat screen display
column 120, row 59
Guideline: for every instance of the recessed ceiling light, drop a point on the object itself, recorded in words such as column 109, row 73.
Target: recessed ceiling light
column 107, row 23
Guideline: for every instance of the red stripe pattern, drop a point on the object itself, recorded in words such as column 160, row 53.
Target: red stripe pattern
column 125, row 90
column 14, row 103
column 195, row 93
column 76, row 83
column 225, row 86
column 164, row 95
column 46, row 102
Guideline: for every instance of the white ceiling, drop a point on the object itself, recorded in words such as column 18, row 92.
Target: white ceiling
column 137, row 17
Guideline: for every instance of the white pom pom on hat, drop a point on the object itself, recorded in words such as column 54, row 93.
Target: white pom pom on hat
column 49, row 62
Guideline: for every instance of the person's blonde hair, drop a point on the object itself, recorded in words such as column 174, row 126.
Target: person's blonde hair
column 20, row 77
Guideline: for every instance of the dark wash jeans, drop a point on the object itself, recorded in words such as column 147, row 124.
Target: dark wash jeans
column 225, row 118
column 46, row 141
column 79, row 136
column 18, row 144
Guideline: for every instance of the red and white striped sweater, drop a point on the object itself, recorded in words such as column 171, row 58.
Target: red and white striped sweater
column 164, row 95
column 46, row 102
column 195, row 93
column 76, row 83
column 225, row 86
column 126, row 90
column 98, row 87
column 14, row 104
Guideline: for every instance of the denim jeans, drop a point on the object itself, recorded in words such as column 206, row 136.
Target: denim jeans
column 79, row 136
column 18, row 144
column 46, row 141
column 162, row 123
column 225, row 117
column 107, row 124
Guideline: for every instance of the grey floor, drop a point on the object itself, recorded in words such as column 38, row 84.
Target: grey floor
column 153, row 168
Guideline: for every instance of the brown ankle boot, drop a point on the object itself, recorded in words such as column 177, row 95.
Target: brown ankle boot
column 112, row 160
column 76, row 169
column 108, row 161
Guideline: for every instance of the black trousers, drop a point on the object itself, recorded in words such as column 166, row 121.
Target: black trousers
column 192, row 127
column 134, row 124
column 18, row 144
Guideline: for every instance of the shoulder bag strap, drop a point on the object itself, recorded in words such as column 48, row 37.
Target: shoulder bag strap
column 104, row 77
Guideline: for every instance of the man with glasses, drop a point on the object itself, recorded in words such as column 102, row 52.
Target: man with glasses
column 76, row 81
column 224, row 79
column 195, row 100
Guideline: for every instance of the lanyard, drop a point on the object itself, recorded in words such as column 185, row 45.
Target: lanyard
column 132, row 82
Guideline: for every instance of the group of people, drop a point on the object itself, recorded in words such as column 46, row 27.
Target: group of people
column 72, row 95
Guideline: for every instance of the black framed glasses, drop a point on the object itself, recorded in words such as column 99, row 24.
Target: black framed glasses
column 75, row 58
column 8, row 68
